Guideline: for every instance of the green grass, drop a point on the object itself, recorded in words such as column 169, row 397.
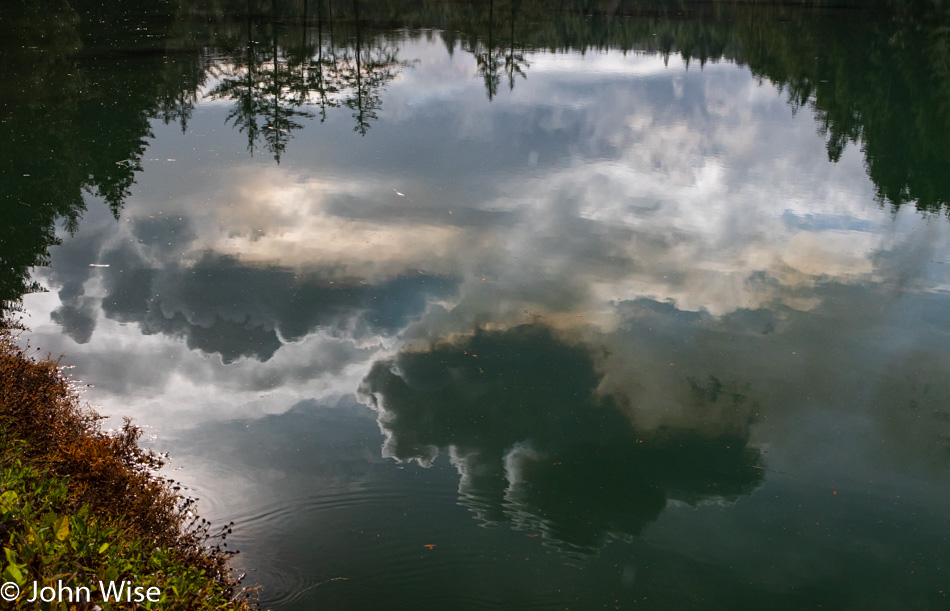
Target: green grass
column 79, row 506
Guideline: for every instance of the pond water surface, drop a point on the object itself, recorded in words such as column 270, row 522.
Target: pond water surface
column 505, row 307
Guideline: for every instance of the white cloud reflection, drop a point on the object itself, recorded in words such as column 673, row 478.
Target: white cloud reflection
column 599, row 180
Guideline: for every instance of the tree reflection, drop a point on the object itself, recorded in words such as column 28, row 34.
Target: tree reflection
column 261, row 84
column 273, row 89
column 494, row 57
column 318, row 79
column 515, row 62
column 519, row 414
column 75, row 126
column 882, row 85
column 76, row 123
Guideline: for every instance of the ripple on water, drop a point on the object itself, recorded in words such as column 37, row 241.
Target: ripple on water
column 304, row 546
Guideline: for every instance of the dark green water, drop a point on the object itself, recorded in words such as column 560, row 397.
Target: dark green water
column 463, row 306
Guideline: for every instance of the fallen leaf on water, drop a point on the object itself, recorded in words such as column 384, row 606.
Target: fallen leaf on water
column 429, row 545
column 532, row 535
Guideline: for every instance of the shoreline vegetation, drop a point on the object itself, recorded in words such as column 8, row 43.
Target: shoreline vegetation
column 83, row 512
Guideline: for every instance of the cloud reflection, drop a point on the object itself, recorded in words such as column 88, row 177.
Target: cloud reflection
column 520, row 415
column 646, row 197
column 220, row 305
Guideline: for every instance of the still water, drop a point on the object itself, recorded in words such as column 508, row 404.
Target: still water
column 465, row 306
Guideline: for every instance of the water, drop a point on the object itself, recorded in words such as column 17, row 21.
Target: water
column 502, row 306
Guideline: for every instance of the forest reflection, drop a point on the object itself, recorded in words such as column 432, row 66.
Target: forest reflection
column 84, row 80
column 285, row 78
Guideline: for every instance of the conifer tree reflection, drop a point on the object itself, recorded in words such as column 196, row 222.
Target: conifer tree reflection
column 261, row 88
column 187, row 67
column 366, row 68
column 486, row 57
column 279, row 109
column 273, row 90
column 74, row 126
column 515, row 62
column 316, row 82
column 878, row 81
column 492, row 57
column 869, row 81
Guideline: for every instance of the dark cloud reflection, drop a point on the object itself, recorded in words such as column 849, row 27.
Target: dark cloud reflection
column 222, row 306
column 519, row 414
column 77, row 317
